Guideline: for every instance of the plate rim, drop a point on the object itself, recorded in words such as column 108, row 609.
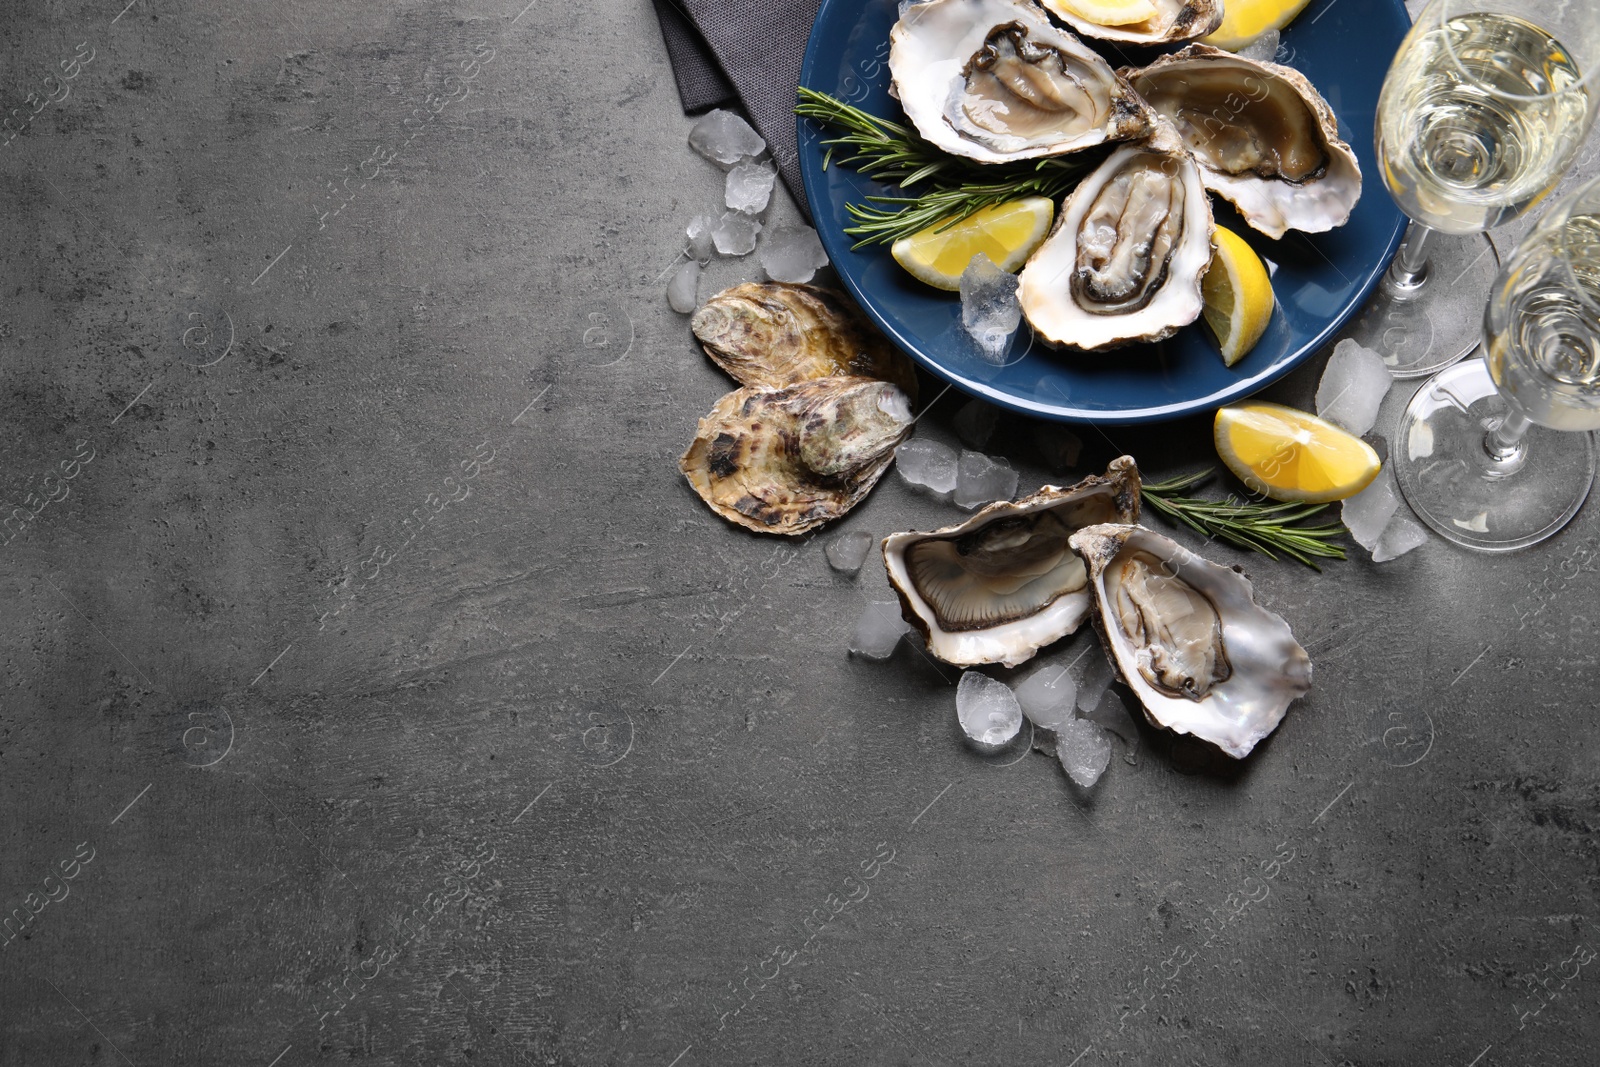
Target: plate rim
column 833, row 243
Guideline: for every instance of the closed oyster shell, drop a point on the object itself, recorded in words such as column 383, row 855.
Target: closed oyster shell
column 1124, row 261
column 775, row 334
column 1005, row 583
column 1174, row 20
column 785, row 461
column 1265, row 139
column 1189, row 639
column 995, row 80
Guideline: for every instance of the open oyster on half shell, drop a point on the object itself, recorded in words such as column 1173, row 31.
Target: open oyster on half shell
column 1142, row 22
column 995, row 80
column 1005, row 583
column 1189, row 639
column 1129, row 247
column 787, row 460
column 775, row 334
column 1265, row 138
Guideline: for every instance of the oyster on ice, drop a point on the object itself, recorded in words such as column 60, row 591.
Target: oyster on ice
column 1152, row 22
column 995, row 80
column 787, row 460
column 1005, row 583
column 1189, row 639
column 775, row 334
column 1128, row 250
column 1265, row 138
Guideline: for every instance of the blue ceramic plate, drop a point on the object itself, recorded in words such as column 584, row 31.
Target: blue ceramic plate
column 1343, row 46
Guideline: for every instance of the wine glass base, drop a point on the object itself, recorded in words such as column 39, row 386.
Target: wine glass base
column 1423, row 329
column 1455, row 486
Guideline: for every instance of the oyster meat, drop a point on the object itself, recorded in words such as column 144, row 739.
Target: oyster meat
column 1129, row 247
column 1153, row 22
column 1189, row 639
column 775, row 334
column 1005, row 583
column 995, row 80
column 1265, row 138
column 787, row 460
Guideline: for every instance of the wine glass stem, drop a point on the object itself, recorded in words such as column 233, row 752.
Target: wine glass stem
column 1504, row 443
column 1410, row 268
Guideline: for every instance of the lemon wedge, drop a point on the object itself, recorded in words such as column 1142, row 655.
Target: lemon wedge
column 1110, row 12
column 1292, row 455
column 1238, row 295
column 1007, row 233
column 1245, row 20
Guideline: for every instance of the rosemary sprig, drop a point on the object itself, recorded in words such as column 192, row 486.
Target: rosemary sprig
column 951, row 188
column 1264, row 528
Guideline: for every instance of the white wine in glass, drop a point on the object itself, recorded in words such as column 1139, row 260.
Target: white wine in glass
column 1493, row 453
column 1483, row 109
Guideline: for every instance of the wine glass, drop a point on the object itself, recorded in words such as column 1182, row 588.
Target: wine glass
column 1485, row 453
column 1484, row 107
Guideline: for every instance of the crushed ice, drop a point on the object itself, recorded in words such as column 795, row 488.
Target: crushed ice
column 982, row 479
column 988, row 709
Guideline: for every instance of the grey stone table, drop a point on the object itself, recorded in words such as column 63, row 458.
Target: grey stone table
column 376, row 691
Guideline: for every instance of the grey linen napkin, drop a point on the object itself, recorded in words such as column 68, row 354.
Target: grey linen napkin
column 758, row 47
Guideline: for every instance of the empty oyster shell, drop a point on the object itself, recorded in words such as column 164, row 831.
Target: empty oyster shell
column 1129, row 247
column 1168, row 21
column 1005, row 583
column 787, row 460
column 1189, row 639
column 775, row 334
column 1265, row 139
column 995, row 80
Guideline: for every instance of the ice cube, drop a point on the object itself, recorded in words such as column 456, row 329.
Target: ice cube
column 683, row 291
column 725, row 138
column 927, row 465
column 989, row 309
column 878, row 630
column 1353, row 387
column 749, row 187
column 1094, row 677
column 735, row 234
column 1369, row 511
column 849, row 550
column 700, row 244
column 1047, row 696
column 988, row 709
column 1059, row 446
column 981, row 479
column 1112, row 714
column 792, row 254
column 1084, row 749
column 975, row 423
column 1263, row 48
column 1401, row 535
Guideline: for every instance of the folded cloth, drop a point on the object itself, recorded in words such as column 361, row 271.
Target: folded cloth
column 701, row 83
column 758, row 47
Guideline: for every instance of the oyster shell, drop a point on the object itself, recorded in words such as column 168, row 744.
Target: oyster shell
column 775, row 334
column 1129, row 247
column 787, row 460
column 1169, row 21
column 1189, row 639
column 1005, row 583
column 1265, row 139
column 995, row 80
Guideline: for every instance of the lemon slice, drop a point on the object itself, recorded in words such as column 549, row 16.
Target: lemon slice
column 1007, row 233
column 1245, row 20
column 1111, row 12
column 1238, row 295
column 1292, row 455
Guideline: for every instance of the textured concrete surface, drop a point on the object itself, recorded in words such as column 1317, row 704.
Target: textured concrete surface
column 376, row 691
